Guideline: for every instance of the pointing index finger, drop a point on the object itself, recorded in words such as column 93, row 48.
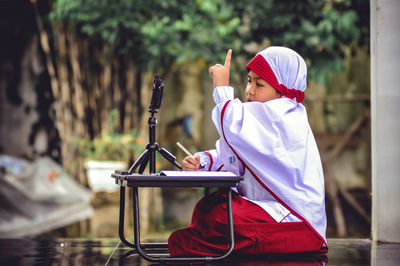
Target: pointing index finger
column 228, row 59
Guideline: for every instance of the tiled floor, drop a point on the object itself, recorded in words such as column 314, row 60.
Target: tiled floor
column 111, row 252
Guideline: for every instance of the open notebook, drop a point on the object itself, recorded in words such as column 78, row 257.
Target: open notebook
column 195, row 173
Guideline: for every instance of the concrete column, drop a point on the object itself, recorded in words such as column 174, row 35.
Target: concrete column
column 385, row 119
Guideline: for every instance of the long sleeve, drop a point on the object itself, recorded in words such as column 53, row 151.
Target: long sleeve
column 210, row 160
column 221, row 158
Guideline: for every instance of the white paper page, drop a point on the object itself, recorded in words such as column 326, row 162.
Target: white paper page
column 195, row 173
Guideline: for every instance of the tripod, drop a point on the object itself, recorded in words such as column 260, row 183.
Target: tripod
column 149, row 155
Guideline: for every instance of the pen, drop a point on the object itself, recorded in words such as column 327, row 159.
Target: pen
column 184, row 149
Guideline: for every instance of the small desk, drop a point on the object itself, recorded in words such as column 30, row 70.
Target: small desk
column 134, row 181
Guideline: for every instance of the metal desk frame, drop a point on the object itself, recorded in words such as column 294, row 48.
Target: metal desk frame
column 124, row 179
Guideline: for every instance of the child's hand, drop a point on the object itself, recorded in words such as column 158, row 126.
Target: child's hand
column 220, row 73
column 191, row 163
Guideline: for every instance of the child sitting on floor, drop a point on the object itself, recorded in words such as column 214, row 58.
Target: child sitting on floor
column 279, row 207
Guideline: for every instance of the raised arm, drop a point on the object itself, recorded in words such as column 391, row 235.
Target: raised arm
column 220, row 73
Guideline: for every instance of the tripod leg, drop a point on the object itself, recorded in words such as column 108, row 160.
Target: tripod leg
column 171, row 158
column 139, row 161
column 144, row 162
column 152, row 159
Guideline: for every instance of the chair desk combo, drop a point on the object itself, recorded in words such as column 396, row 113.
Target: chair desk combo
column 175, row 179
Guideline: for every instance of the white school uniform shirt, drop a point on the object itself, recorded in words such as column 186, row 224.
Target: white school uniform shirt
column 272, row 146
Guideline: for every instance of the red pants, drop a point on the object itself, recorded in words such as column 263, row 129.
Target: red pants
column 255, row 231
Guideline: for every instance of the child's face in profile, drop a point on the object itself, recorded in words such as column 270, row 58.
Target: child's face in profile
column 258, row 90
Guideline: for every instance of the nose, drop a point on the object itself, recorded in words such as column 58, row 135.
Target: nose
column 249, row 89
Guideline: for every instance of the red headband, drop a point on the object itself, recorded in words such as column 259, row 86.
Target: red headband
column 261, row 67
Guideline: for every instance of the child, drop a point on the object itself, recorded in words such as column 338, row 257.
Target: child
column 279, row 207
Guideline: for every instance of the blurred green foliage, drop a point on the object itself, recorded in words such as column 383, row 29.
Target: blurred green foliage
column 316, row 29
column 155, row 33
column 111, row 145
column 159, row 33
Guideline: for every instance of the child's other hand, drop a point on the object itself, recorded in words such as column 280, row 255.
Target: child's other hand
column 220, row 73
column 191, row 163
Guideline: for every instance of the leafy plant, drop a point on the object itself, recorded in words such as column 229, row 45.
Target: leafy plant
column 111, row 145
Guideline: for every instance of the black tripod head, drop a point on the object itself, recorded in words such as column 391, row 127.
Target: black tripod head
column 158, row 88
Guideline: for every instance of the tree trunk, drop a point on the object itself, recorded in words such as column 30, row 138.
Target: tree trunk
column 88, row 82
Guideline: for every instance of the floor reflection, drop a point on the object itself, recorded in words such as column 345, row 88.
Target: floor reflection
column 131, row 257
column 112, row 252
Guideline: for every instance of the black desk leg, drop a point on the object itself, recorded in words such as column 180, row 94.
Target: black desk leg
column 122, row 218
column 122, row 223
column 144, row 255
